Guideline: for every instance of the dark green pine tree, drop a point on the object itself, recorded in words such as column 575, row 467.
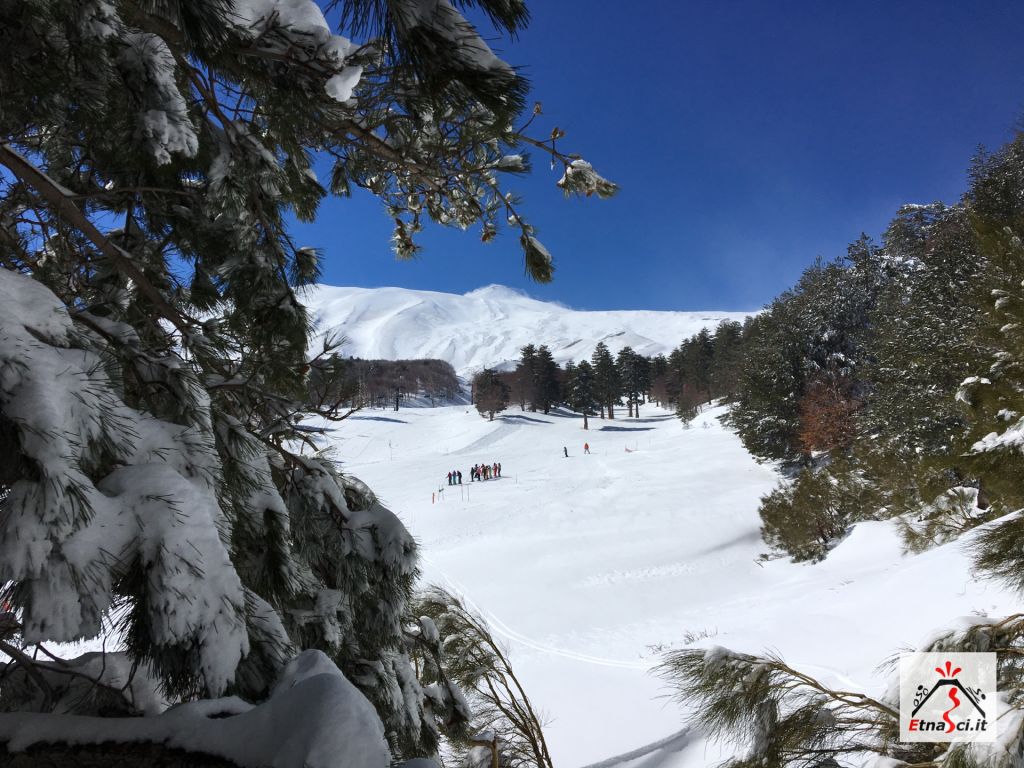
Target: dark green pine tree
column 606, row 377
column 924, row 341
column 659, row 379
column 545, row 380
column 581, row 389
column 152, row 155
column 525, row 378
column 726, row 360
column 993, row 396
column 766, row 412
column 811, row 340
column 634, row 378
column 700, row 354
column 490, row 393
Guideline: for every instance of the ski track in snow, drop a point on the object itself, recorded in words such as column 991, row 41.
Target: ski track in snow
column 590, row 567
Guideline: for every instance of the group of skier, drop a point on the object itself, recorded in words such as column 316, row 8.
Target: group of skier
column 485, row 471
column 476, row 472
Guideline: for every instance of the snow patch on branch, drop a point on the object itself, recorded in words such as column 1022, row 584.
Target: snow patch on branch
column 105, row 489
column 299, row 28
column 163, row 123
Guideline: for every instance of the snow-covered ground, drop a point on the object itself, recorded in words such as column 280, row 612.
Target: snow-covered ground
column 589, row 565
column 488, row 326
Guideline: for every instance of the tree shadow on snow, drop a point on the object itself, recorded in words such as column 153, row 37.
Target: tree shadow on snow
column 747, row 537
column 379, row 418
column 625, row 429
column 522, row 417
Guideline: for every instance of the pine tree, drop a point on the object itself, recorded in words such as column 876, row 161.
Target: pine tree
column 545, row 380
column 811, row 337
column 634, row 378
column 659, row 379
column 701, row 352
column 152, row 154
column 581, row 384
column 726, row 359
column 606, row 376
column 490, row 393
column 526, row 377
column 924, row 343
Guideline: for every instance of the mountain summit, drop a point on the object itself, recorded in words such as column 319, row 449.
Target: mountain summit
column 489, row 325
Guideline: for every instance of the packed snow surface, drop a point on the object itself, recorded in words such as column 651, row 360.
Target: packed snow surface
column 590, row 566
column 488, row 326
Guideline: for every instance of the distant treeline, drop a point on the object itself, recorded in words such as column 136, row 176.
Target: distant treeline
column 701, row 369
column 359, row 383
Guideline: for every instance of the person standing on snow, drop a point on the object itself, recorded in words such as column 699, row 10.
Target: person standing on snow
column 459, row 473
column 565, row 451
column 586, row 447
column 449, row 478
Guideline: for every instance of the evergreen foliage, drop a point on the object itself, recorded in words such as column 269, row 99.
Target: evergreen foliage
column 359, row 383
column 606, row 379
column 809, row 515
column 924, row 353
column 490, row 393
column 808, row 345
column 545, row 390
column 503, row 718
column 581, row 389
column 635, row 378
column 525, row 378
column 156, row 381
column 704, row 367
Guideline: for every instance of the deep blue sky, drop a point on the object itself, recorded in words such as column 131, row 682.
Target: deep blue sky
column 748, row 138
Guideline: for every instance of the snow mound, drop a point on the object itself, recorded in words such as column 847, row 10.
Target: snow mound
column 315, row 718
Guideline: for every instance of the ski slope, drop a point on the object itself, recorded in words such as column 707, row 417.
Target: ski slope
column 589, row 566
column 488, row 326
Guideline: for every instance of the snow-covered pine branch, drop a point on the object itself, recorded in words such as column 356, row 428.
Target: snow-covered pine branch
column 155, row 369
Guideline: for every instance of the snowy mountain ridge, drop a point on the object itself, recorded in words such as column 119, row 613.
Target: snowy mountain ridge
column 488, row 326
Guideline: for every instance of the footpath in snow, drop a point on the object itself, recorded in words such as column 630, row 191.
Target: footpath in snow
column 591, row 565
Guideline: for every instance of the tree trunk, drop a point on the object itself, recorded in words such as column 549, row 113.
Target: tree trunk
column 611, row 411
column 585, row 425
column 602, row 410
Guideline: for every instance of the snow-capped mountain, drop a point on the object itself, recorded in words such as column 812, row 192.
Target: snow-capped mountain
column 488, row 326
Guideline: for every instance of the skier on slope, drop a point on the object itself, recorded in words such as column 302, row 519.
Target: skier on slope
column 565, row 451
column 586, row 447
